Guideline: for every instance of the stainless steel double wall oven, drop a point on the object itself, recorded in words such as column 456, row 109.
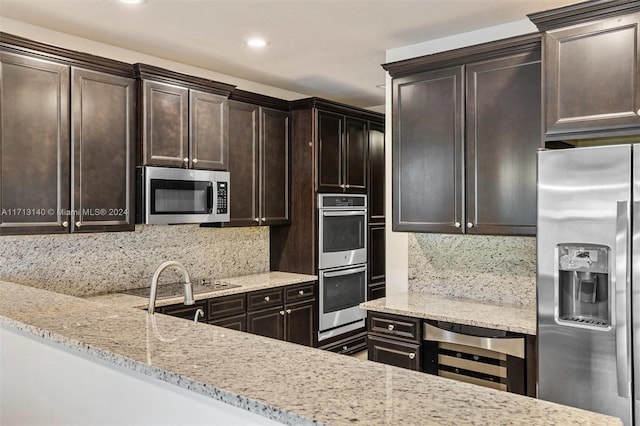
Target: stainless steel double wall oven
column 342, row 262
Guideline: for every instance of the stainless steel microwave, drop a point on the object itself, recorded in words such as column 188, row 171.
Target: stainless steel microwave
column 171, row 196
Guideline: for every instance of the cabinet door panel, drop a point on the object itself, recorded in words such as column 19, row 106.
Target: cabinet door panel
column 355, row 148
column 275, row 167
column 207, row 131
column 591, row 76
column 103, row 152
column 427, row 151
column 376, row 185
column 269, row 323
column 377, row 259
column 300, row 323
column 236, row 322
column 503, row 135
column 34, row 170
column 330, row 161
column 243, row 163
column 165, row 124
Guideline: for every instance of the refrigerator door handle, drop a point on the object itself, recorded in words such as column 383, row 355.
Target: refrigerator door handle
column 622, row 311
column 635, row 289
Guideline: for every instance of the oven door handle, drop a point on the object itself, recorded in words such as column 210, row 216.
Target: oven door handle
column 343, row 272
column 345, row 213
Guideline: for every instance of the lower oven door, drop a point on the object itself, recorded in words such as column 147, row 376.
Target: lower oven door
column 341, row 292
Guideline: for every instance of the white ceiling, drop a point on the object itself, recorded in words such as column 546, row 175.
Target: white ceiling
column 327, row 48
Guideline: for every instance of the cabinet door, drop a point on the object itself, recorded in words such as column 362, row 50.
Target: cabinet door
column 394, row 352
column 274, row 167
column 428, row 176
column 503, row 135
column 34, row 150
column 355, row 158
column 376, row 184
column 235, row 322
column 243, row 163
column 268, row 323
column 207, row 131
column 300, row 323
column 591, row 76
column 376, row 260
column 103, row 152
column 165, row 112
column 330, row 161
column 183, row 311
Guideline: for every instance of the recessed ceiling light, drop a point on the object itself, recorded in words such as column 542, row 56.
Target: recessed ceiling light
column 257, row 42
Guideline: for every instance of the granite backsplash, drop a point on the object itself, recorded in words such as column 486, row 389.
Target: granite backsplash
column 487, row 268
column 95, row 263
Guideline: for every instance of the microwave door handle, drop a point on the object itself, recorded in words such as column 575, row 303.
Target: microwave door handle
column 344, row 272
column 210, row 198
column 344, row 213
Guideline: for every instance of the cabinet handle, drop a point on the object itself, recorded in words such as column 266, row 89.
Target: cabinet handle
column 65, row 224
column 345, row 347
column 288, row 311
column 301, row 292
column 469, row 225
column 264, row 219
column 282, row 313
column 347, row 186
column 185, row 160
column 390, row 327
column 457, row 224
column 256, row 219
column 267, row 298
column 194, row 161
column 78, row 223
column 412, row 356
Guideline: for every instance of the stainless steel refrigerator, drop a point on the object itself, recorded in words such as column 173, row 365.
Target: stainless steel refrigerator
column 588, row 280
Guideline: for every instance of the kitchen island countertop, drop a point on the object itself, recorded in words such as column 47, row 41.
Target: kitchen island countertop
column 305, row 385
column 515, row 318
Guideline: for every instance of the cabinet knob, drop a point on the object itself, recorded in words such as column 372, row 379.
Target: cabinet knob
column 264, row 219
column 412, row 356
column 390, row 327
column 301, row 292
column 282, row 313
column 347, row 186
column 345, row 347
column 185, row 160
column 469, row 225
column 267, row 298
column 78, row 223
column 194, row 161
column 65, row 224
column 256, row 219
column 457, row 224
column 288, row 311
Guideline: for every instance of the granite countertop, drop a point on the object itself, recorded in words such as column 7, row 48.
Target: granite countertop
column 516, row 318
column 241, row 284
column 289, row 383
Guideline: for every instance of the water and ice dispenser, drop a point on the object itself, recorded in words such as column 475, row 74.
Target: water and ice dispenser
column 583, row 285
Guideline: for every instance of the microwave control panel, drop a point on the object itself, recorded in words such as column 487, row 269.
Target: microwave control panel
column 221, row 205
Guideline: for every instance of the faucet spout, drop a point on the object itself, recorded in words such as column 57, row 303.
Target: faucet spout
column 188, row 288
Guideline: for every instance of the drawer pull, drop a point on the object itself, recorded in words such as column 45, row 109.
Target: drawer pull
column 282, row 313
column 390, row 327
column 345, row 347
column 412, row 356
column 301, row 292
column 288, row 311
column 267, row 298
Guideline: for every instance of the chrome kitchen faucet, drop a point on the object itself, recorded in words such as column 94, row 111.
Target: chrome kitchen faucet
column 188, row 288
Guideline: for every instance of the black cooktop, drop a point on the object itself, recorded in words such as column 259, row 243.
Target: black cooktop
column 175, row 289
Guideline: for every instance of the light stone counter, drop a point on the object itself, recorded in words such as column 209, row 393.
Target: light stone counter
column 245, row 284
column 289, row 383
column 516, row 318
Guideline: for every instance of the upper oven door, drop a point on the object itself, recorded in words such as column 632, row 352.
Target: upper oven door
column 342, row 237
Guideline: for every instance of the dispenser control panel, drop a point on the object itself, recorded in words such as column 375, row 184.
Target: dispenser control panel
column 590, row 258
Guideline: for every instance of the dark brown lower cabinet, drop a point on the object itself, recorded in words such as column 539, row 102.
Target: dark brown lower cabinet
column 183, row 311
column 236, row 322
column 267, row 323
column 228, row 312
column 348, row 344
column 376, row 291
column 394, row 352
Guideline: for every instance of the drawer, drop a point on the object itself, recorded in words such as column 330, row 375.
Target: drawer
column 300, row 293
column 236, row 322
column 183, row 311
column 263, row 299
column 221, row 307
column 394, row 326
column 348, row 346
column 394, row 352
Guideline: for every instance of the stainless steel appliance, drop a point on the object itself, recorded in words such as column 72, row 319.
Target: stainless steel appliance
column 171, row 195
column 589, row 279
column 342, row 260
column 342, row 230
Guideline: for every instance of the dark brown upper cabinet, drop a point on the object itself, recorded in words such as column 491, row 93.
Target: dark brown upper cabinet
column 342, row 153
column 591, row 69
column 68, row 137
column 258, row 164
column 466, row 127
column 184, row 120
column 376, row 180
